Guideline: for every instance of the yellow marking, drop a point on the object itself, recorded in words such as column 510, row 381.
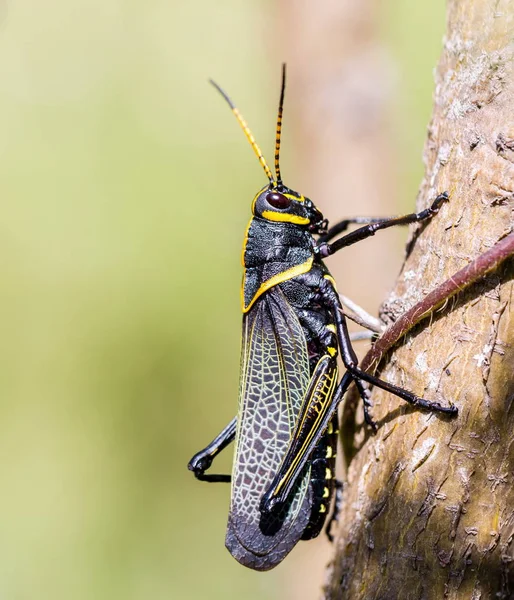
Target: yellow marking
column 298, row 199
column 331, row 377
column 322, row 508
column 331, row 328
column 336, row 431
column 275, row 280
column 330, row 428
column 326, row 492
column 245, row 242
column 254, row 201
column 332, row 280
column 256, row 196
column 329, row 452
column 277, row 138
column 332, row 351
column 285, row 217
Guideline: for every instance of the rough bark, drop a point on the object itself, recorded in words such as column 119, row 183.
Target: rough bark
column 429, row 504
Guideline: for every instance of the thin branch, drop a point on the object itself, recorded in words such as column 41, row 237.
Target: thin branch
column 360, row 316
column 475, row 270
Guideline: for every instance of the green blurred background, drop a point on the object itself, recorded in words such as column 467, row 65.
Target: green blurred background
column 126, row 187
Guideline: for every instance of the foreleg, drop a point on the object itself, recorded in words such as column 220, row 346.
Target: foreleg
column 325, row 249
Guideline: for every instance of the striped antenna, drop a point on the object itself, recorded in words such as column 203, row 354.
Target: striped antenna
column 279, row 126
column 247, row 133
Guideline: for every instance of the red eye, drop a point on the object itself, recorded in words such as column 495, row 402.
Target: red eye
column 278, row 200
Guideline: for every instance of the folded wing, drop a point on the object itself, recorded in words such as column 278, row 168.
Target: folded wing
column 274, row 378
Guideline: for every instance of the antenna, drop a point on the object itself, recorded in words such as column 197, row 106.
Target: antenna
column 247, row 133
column 279, row 126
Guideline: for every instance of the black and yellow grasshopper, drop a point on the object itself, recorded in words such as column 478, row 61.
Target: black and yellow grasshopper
column 293, row 331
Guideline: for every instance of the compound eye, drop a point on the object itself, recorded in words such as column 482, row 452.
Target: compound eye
column 278, row 200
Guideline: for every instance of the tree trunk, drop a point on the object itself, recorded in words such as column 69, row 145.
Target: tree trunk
column 429, row 504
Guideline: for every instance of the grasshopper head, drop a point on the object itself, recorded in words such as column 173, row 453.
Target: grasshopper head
column 283, row 205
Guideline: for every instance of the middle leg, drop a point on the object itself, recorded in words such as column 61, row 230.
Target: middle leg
column 350, row 360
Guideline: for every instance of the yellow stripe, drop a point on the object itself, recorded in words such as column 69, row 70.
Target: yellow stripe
column 291, row 197
column 328, row 394
column 326, row 492
column 329, row 452
column 331, row 279
column 275, row 280
column 256, row 196
column 285, row 217
column 245, row 242
column 331, row 351
column 331, row 328
column 322, row 508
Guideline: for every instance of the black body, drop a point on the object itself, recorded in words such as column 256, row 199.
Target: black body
column 293, row 331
